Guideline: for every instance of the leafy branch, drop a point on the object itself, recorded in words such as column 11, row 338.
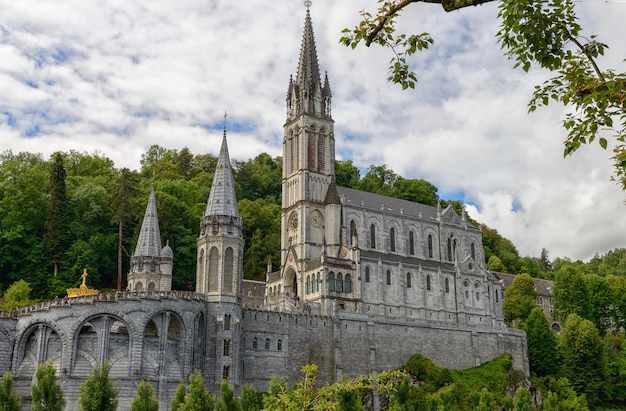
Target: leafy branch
column 532, row 32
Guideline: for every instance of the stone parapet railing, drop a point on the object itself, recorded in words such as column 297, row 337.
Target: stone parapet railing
column 103, row 297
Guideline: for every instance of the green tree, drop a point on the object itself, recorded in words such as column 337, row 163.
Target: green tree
column 545, row 33
column 259, row 178
column 378, row 180
column 98, row 392
column 179, row 397
column 46, row 392
column 495, row 264
column 346, row 173
column 227, row 401
column 9, row 400
column 544, row 261
column 144, row 400
column 16, row 296
column 416, row 190
column 570, row 294
column 600, row 301
column 24, row 179
column 522, row 400
column 483, row 401
column 124, row 197
column 584, row 357
column 197, row 397
column 543, row 354
column 250, row 399
column 519, row 299
column 58, row 235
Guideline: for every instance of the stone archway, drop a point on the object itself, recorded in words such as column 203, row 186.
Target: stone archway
column 290, row 284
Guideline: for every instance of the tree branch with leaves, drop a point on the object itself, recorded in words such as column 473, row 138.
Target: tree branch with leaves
column 545, row 33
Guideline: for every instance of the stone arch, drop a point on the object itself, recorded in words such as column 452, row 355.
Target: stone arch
column 29, row 353
column 290, row 284
column 163, row 345
column 105, row 335
column 229, row 266
column 213, row 269
column 138, row 286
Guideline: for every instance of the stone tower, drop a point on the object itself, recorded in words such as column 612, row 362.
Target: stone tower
column 151, row 266
column 219, row 273
column 308, row 166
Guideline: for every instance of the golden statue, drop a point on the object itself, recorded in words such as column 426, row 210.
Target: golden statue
column 83, row 289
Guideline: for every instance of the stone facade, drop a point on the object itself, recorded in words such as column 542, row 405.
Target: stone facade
column 365, row 281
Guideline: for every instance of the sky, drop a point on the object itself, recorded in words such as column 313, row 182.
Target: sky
column 115, row 77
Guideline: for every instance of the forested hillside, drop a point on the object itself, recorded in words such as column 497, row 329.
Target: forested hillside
column 63, row 214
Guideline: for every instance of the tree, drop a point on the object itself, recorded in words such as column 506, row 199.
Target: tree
column 533, row 32
column 197, row 397
column 570, row 294
column 144, row 401
column 378, row 179
column 600, row 301
column 543, row 354
column 9, row 400
column 417, row 190
column 584, row 357
column 544, row 261
column 58, row 236
column 46, row 392
column 304, row 395
column 98, row 393
column 346, row 173
column 250, row 399
column 124, row 197
column 519, row 299
column 179, row 397
column 16, row 296
column 227, row 401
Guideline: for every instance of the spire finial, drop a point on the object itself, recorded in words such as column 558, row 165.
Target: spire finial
column 307, row 4
column 225, row 115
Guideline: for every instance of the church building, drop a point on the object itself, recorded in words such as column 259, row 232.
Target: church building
column 364, row 282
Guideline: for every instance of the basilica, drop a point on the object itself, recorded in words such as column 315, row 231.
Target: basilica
column 364, row 282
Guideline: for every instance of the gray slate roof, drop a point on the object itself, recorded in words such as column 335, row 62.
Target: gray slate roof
column 222, row 200
column 149, row 242
column 388, row 204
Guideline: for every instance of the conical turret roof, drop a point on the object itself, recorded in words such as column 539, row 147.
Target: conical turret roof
column 149, row 242
column 222, row 199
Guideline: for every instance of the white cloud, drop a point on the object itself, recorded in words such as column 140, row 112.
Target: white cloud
column 119, row 76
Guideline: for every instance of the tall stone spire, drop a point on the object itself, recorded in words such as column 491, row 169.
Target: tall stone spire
column 308, row 77
column 220, row 244
column 307, row 94
column 150, row 265
column 222, row 199
column 149, row 242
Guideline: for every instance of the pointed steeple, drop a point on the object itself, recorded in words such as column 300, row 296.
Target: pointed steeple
column 308, row 77
column 306, row 94
column 149, row 242
column 222, row 199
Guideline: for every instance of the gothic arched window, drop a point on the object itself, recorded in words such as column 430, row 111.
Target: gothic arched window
column 473, row 251
column 367, row 274
column 392, row 239
column 372, row 236
column 408, row 280
column 449, row 249
column 388, row 277
column 430, row 246
column 447, row 284
column 427, row 283
column 353, row 234
column 411, row 243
